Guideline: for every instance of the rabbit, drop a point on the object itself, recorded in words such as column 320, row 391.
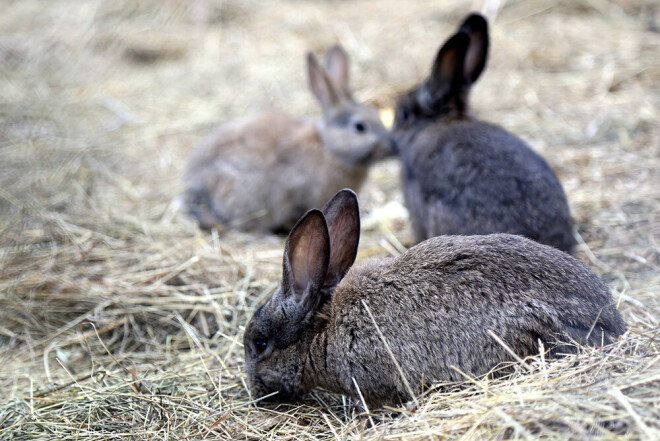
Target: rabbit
column 464, row 176
column 434, row 305
column 263, row 172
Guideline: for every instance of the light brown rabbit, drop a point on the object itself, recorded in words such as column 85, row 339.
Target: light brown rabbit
column 384, row 329
column 263, row 172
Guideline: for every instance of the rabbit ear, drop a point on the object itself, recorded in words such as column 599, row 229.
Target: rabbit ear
column 446, row 78
column 320, row 83
column 476, row 26
column 343, row 216
column 306, row 257
column 337, row 67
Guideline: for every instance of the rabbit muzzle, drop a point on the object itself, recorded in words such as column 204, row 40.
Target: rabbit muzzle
column 271, row 388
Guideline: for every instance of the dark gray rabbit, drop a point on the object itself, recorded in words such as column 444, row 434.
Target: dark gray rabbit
column 464, row 176
column 434, row 305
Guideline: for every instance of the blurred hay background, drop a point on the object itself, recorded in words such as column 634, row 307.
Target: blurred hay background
column 120, row 320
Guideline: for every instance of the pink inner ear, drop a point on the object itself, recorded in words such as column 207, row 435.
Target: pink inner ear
column 310, row 256
column 449, row 63
column 472, row 57
column 307, row 253
column 335, row 234
column 303, row 260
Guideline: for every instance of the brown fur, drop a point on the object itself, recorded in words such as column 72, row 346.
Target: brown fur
column 434, row 306
column 263, row 172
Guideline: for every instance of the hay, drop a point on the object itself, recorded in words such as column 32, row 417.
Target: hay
column 596, row 395
column 119, row 319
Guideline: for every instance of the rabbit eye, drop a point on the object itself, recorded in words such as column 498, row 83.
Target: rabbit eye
column 360, row 127
column 405, row 114
column 260, row 345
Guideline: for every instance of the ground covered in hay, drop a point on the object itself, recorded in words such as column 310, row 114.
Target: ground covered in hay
column 119, row 319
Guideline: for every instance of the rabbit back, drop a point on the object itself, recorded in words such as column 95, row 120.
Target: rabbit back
column 435, row 305
column 471, row 177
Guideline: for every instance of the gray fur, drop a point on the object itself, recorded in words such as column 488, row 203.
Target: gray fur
column 464, row 176
column 434, row 305
column 264, row 172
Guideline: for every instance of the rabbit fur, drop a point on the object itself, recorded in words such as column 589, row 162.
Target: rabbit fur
column 263, row 172
column 464, row 176
column 433, row 305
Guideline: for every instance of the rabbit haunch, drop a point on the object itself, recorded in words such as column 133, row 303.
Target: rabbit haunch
column 435, row 306
column 263, row 172
column 464, row 176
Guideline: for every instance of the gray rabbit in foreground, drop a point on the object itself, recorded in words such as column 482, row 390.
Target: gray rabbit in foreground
column 263, row 172
column 434, row 305
column 464, row 176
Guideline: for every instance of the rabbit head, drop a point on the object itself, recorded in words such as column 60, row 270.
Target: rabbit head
column 444, row 94
column 352, row 131
column 320, row 249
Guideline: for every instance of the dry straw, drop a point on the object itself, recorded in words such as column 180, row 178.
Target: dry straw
column 120, row 320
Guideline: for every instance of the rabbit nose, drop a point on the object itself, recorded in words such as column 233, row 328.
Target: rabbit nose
column 257, row 387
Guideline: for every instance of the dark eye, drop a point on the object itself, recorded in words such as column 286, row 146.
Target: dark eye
column 260, row 345
column 404, row 114
column 360, row 127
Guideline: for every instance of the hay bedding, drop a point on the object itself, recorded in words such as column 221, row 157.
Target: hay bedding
column 120, row 320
